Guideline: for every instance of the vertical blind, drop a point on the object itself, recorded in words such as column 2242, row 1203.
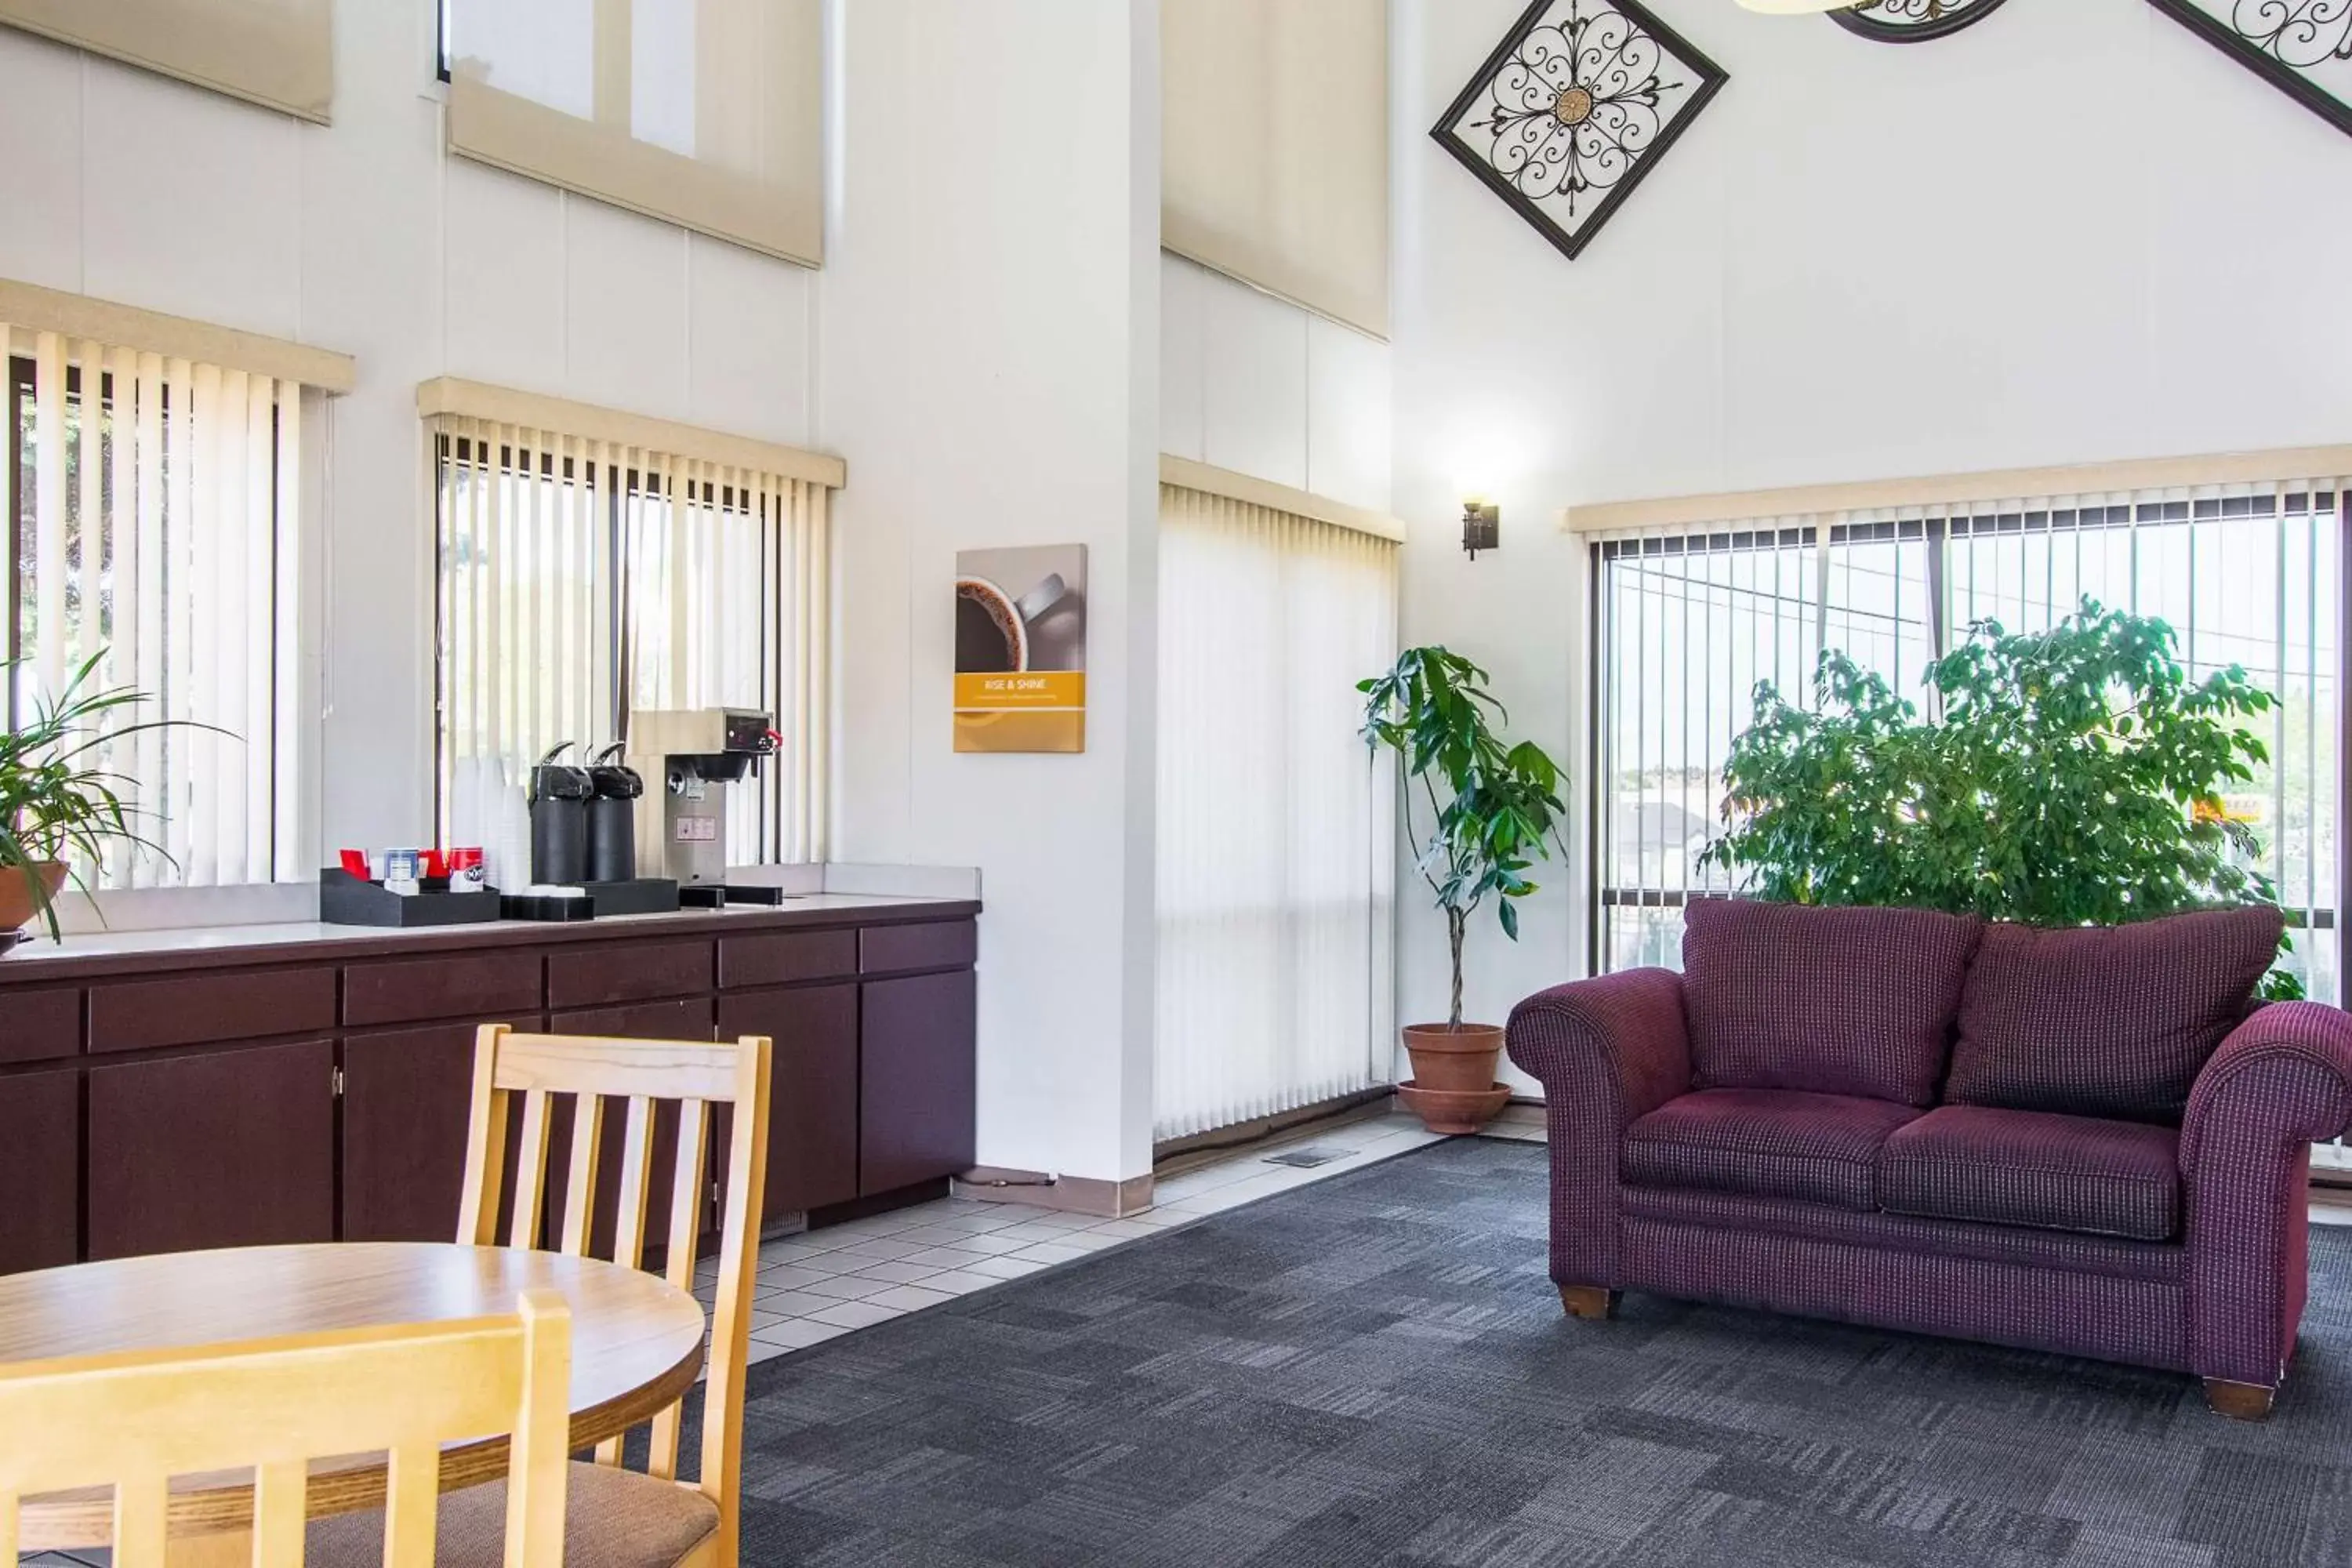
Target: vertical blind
column 1275, row 863
column 1688, row 621
column 152, row 504
column 581, row 579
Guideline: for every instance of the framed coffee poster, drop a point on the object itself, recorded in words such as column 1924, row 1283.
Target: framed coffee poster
column 1021, row 650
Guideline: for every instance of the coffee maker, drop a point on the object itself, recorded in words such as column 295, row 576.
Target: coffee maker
column 687, row 757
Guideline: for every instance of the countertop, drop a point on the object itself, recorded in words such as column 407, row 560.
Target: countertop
column 196, row 947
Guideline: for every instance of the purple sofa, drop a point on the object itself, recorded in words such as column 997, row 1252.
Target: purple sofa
column 2088, row 1140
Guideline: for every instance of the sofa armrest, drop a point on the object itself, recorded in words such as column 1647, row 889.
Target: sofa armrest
column 1620, row 1035
column 2282, row 1081
column 1606, row 1051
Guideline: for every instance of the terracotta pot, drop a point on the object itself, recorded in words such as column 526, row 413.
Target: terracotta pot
column 18, row 903
column 1450, row 1110
column 1454, row 1059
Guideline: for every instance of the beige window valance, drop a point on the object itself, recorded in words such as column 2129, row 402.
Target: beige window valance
column 1275, row 148
column 277, row 53
column 1186, row 474
column 1944, row 490
column 708, row 115
column 30, row 308
column 450, row 394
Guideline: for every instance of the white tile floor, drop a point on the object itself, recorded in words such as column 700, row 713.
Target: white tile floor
column 815, row 1286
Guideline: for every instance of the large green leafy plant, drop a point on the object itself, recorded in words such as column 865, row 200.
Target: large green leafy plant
column 1490, row 809
column 2073, row 777
column 58, row 802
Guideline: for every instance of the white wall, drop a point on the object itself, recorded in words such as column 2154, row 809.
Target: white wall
column 2073, row 232
column 1256, row 384
column 988, row 330
column 361, row 236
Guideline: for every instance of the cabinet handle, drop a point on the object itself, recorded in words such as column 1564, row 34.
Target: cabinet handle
column 339, row 1083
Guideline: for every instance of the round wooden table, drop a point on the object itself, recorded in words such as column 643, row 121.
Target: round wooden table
column 636, row 1347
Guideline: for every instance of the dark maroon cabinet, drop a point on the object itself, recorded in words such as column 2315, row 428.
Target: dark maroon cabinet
column 37, row 1025
column 228, row 1148
column 916, row 1079
column 198, row 1009
column 310, row 1090
column 407, row 1094
column 40, row 1169
column 630, row 972
column 498, row 987
column 811, row 1090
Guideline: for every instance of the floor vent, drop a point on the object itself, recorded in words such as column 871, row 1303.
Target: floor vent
column 1306, row 1159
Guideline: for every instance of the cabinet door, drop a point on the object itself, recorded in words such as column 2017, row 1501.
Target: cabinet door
column 407, row 1094
column 687, row 1019
column 811, row 1090
column 916, row 1079
column 232, row 1148
column 40, row 1170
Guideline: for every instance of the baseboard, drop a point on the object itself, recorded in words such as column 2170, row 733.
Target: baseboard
column 1377, row 1101
column 1071, row 1195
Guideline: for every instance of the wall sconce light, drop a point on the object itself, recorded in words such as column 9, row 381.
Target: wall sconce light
column 1482, row 526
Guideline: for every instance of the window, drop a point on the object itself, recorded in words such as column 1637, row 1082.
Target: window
column 1275, row 862
column 152, row 516
column 581, row 579
column 277, row 53
column 709, row 115
column 1687, row 623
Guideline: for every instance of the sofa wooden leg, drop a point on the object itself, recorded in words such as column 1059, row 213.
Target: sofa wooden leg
column 2239, row 1401
column 1590, row 1302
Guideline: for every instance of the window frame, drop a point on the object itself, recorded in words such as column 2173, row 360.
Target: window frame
column 1940, row 534
column 611, row 483
column 287, row 816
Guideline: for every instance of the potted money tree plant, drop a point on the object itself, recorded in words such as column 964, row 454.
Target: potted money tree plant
column 1479, row 813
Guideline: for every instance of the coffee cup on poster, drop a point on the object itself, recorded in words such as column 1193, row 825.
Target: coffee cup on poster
column 993, row 626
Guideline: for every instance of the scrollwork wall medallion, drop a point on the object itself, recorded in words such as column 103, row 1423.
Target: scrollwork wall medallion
column 2303, row 48
column 1572, row 110
column 1912, row 21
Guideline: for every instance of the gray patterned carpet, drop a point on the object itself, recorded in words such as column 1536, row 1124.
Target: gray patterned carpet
column 1374, row 1370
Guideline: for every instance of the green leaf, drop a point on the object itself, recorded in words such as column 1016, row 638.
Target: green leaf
column 2075, row 776
column 1478, row 812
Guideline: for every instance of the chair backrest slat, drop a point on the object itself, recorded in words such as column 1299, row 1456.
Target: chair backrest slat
column 141, row 1514
column 486, row 1144
column 278, row 1510
column 629, row 1224
column 695, row 1076
column 412, row 1502
column 685, row 1212
column 133, row 1420
column 579, row 1191
column 530, row 1173
column 636, row 1183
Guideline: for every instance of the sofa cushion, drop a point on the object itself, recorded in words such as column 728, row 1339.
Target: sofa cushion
column 1770, row 1142
column 2111, row 1021
column 2032, row 1167
column 1838, row 1001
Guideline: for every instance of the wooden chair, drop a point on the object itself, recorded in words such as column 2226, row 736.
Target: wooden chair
column 137, row 1420
column 618, row 1517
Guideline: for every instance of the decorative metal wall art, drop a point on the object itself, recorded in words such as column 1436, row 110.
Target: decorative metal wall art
column 1912, row 21
column 1574, row 107
column 2303, row 48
